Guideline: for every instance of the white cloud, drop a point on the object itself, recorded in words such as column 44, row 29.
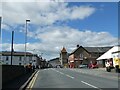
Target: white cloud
column 27, row 0
column 0, row 8
column 43, row 13
column 5, row 27
column 52, row 39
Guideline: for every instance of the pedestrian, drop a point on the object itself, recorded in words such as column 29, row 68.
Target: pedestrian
column 33, row 68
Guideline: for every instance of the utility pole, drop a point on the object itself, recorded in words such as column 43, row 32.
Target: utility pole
column 0, row 40
column 12, row 47
column 25, row 58
column 0, row 26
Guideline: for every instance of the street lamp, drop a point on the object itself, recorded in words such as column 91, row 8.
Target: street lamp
column 0, row 39
column 12, row 50
column 26, row 39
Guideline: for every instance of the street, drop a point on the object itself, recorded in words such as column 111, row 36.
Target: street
column 70, row 78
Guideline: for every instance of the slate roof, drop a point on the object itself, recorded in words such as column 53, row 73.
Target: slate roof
column 93, row 49
column 97, row 49
column 8, row 53
column 55, row 59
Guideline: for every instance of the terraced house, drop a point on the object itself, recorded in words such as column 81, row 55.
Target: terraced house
column 85, row 55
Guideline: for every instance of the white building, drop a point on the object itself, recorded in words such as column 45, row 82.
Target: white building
column 19, row 58
column 108, row 55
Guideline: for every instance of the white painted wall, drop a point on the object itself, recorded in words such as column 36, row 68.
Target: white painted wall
column 17, row 60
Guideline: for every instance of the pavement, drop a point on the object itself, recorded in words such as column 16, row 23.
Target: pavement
column 56, row 78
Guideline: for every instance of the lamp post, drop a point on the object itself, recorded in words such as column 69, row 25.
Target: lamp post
column 12, row 47
column 26, row 40
column 0, row 39
column 0, row 27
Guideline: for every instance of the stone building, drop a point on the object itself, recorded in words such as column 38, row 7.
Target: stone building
column 64, row 57
column 85, row 55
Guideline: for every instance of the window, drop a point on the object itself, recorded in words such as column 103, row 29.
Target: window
column 19, row 63
column 7, row 58
column 20, row 58
column 117, row 55
column 30, row 58
column 81, row 55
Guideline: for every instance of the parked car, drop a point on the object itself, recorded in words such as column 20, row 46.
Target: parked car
column 94, row 66
column 90, row 65
column 59, row 66
column 83, row 66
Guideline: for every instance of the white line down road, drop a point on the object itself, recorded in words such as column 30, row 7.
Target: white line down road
column 65, row 78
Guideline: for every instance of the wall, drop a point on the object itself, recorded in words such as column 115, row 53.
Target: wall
column 82, row 56
column 10, row 72
column 64, row 58
column 16, row 60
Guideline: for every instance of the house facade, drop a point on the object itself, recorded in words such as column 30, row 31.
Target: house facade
column 19, row 58
column 85, row 55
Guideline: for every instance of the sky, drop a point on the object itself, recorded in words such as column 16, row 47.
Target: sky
column 54, row 25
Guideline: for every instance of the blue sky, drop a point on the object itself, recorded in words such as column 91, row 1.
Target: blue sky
column 104, row 19
column 54, row 25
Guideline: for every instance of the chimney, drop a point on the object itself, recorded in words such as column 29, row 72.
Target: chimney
column 78, row 45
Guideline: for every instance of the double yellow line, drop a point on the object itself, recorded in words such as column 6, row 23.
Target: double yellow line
column 32, row 82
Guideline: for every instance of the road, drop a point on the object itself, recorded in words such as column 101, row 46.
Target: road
column 67, row 78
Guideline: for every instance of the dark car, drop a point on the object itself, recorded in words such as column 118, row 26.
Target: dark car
column 83, row 66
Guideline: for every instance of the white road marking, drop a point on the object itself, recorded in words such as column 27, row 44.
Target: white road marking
column 64, row 74
column 69, row 76
column 61, row 73
column 90, row 85
column 81, row 81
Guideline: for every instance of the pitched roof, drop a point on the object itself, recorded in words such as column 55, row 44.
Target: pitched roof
column 108, row 54
column 54, row 59
column 16, row 53
column 63, row 49
column 93, row 49
column 97, row 49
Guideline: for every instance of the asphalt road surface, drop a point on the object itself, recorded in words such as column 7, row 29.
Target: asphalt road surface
column 67, row 78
